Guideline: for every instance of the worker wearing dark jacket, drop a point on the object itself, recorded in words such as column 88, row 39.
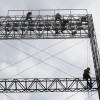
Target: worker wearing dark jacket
column 87, row 76
column 28, row 16
column 57, row 16
column 63, row 24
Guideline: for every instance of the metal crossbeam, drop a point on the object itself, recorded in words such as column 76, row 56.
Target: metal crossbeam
column 46, row 85
column 44, row 27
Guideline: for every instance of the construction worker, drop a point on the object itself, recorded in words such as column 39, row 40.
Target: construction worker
column 28, row 16
column 63, row 24
column 87, row 77
column 57, row 17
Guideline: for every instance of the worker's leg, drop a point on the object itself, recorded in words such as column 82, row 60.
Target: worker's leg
column 86, row 78
column 62, row 29
column 30, row 19
column 87, row 82
column 83, row 76
column 90, row 78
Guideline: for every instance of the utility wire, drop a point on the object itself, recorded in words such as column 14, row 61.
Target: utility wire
column 8, row 96
column 38, row 63
column 89, row 96
column 78, row 92
column 28, row 56
column 35, row 58
column 46, row 53
column 71, row 96
column 87, row 52
column 16, row 48
column 59, row 53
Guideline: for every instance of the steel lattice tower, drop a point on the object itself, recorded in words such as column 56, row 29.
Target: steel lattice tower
column 44, row 26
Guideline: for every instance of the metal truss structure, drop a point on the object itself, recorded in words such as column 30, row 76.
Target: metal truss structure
column 46, row 85
column 45, row 26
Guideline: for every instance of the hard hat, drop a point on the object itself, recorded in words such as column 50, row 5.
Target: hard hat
column 88, row 68
column 29, row 12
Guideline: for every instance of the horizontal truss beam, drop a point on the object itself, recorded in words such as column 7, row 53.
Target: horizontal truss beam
column 46, row 85
column 44, row 27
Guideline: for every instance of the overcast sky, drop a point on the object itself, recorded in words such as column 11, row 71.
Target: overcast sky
column 12, row 51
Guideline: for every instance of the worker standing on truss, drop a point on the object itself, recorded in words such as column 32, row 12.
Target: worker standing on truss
column 87, row 77
column 28, row 16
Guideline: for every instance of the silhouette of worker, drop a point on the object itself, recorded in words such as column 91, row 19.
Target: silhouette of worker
column 28, row 16
column 87, row 77
column 63, row 24
column 57, row 17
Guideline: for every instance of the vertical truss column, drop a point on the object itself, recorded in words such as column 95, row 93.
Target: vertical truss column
column 95, row 52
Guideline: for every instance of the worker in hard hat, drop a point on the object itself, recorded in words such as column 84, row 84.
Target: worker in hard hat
column 87, row 77
column 28, row 16
column 57, row 17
